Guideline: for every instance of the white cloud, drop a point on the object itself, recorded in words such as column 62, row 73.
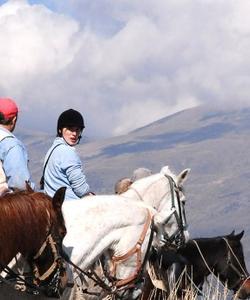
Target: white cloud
column 138, row 114
column 112, row 59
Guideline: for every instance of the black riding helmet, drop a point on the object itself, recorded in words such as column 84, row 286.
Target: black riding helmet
column 69, row 118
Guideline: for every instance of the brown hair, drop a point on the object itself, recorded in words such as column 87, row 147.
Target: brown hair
column 122, row 185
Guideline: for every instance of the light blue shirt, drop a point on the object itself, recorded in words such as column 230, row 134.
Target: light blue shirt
column 64, row 169
column 14, row 157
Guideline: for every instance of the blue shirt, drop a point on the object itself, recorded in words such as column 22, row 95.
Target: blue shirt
column 64, row 169
column 14, row 157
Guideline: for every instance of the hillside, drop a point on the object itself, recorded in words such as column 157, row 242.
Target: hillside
column 213, row 143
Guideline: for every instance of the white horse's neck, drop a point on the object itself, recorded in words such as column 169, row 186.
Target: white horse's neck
column 98, row 223
column 149, row 191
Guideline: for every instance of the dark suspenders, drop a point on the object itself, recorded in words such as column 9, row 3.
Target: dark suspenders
column 45, row 165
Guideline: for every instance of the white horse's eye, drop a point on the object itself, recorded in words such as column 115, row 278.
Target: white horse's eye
column 181, row 189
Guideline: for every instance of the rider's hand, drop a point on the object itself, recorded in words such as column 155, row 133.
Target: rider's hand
column 90, row 194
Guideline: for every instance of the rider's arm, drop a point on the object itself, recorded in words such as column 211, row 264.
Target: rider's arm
column 76, row 176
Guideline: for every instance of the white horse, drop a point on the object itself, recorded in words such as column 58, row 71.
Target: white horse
column 117, row 222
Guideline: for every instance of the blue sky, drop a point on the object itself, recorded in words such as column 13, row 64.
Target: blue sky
column 122, row 63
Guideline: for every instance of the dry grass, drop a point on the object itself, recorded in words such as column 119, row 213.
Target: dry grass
column 212, row 289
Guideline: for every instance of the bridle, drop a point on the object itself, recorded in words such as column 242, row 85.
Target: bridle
column 50, row 279
column 177, row 238
column 239, row 271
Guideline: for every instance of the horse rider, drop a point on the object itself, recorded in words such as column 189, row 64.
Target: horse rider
column 13, row 154
column 14, row 170
column 62, row 164
column 123, row 184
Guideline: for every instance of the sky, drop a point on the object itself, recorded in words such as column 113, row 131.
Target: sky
column 122, row 63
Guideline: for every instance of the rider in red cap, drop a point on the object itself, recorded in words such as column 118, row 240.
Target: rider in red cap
column 13, row 154
column 8, row 108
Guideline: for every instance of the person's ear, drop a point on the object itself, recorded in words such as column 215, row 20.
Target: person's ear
column 12, row 124
column 14, row 120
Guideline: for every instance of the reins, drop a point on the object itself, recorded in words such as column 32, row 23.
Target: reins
column 91, row 274
column 29, row 287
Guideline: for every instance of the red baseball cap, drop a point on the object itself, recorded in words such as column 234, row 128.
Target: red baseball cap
column 8, row 108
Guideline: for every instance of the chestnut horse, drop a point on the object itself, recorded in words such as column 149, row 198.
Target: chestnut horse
column 220, row 256
column 32, row 224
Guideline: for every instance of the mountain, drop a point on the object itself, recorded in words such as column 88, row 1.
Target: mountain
column 214, row 143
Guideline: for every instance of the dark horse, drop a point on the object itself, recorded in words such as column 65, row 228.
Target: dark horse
column 223, row 256
column 32, row 224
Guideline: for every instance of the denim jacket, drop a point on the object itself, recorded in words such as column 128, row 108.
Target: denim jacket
column 64, row 169
column 14, row 158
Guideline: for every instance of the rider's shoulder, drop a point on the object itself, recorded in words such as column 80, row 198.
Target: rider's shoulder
column 62, row 147
column 8, row 139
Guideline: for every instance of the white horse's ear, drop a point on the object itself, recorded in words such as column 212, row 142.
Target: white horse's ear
column 165, row 170
column 182, row 177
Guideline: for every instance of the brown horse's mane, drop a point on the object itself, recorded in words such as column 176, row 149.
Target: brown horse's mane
column 26, row 217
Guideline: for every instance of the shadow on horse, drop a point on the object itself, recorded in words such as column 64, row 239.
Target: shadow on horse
column 187, row 268
column 32, row 224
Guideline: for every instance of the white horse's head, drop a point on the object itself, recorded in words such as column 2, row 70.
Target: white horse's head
column 164, row 192
column 174, row 224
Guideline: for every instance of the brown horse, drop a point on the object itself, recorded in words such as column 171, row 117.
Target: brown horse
column 32, row 224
